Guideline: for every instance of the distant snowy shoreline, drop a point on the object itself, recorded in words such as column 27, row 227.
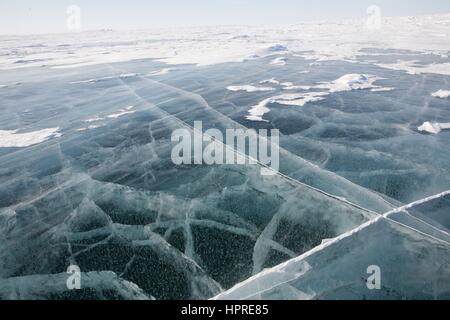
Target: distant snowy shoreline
column 212, row 45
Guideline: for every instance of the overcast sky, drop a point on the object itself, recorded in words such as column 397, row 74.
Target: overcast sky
column 49, row 16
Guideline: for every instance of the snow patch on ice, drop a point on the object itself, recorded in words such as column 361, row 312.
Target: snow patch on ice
column 94, row 119
column 324, row 241
column 300, row 99
column 257, row 112
column 382, row 89
column 433, row 127
column 128, row 75
column 270, row 81
column 121, row 112
column 350, row 82
column 12, row 139
column 94, row 126
column 292, row 86
column 347, row 82
column 249, row 88
column 443, row 94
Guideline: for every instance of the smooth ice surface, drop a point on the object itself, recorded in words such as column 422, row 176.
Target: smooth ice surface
column 350, row 82
column 110, row 199
column 410, row 245
column 105, row 195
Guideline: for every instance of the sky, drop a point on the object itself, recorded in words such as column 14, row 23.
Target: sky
column 50, row 16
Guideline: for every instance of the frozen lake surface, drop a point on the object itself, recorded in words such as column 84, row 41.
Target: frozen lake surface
column 86, row 176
